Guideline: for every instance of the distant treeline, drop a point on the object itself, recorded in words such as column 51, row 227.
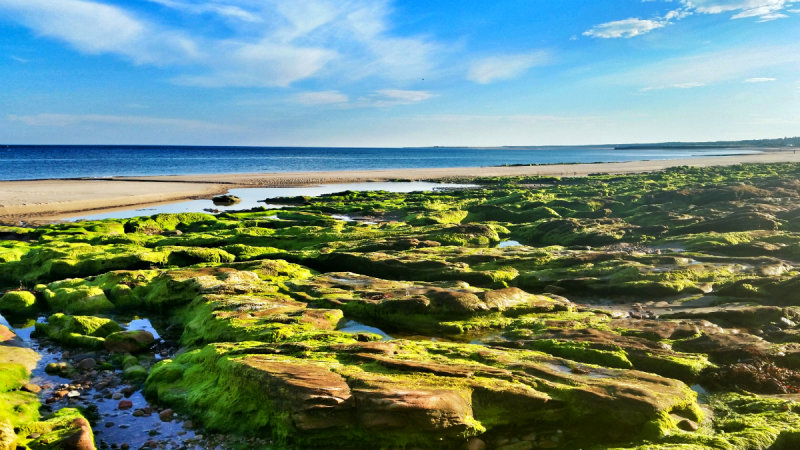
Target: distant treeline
column 779, row 142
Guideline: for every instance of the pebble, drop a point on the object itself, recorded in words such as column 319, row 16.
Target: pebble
column 166, row 415
column 73, row 394
column 125, row 404
column 32, row 388
column 87, row 364
column 109, row 424
column 116, row 396
column 687, row 425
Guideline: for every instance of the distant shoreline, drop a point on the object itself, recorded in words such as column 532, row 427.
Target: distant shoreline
column 34, row 201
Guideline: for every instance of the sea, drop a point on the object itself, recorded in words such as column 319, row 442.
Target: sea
column 28, row 162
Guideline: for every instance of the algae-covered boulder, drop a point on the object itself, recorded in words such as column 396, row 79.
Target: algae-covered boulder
column 79, row 331
column 75, row 297
column 421, row 395
column 66, row 429
column 129, row 341
column 17, row 302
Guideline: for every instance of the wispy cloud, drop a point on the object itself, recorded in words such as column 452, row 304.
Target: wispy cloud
column 278, row 44
column 19, row 60
column 392, row 97
column 626, row 28
column 759, row 80
column 320, row 98
column 504, row 67
column 223, row 10
column 687, row 85
column 63, row 120
column 764, row 10
column 707, row 68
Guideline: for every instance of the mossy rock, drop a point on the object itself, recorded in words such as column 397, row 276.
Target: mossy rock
column 77, row 299
column 17, row 302
column 78, row 331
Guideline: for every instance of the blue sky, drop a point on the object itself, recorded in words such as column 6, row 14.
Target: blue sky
column 397, row 73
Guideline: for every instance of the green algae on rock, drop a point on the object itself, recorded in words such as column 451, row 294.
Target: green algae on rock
column 625, row 289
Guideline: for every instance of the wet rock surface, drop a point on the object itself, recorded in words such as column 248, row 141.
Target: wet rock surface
column 421, row 327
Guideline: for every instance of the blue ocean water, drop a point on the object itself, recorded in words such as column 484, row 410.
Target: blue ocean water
column 37, row 162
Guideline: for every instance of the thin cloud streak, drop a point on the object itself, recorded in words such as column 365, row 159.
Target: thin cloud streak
column 504, row 67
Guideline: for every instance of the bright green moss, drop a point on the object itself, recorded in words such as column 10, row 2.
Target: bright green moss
column 17, row 302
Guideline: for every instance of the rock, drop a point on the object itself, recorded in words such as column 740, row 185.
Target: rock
column 86, row 364
column 73, row 394
column 687, row 425
column 117, row 396
column 166, row 415
column 129, row 341
column 78, row 331
column 81, row 439
column 226, row 200
column 32, row 388
column 125, row 404
column 17, row 302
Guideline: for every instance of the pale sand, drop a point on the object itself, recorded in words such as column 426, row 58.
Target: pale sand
column 49, row 200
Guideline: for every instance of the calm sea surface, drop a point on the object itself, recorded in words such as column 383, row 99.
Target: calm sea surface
column 36, row 162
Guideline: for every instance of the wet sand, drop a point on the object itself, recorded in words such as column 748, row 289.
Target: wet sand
column 50, row 200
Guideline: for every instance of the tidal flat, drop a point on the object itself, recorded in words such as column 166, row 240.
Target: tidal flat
column 649, row 311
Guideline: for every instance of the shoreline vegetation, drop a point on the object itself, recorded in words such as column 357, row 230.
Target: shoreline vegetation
column 639, row 310
column 40, row 201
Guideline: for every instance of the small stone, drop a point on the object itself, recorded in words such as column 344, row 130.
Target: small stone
column 166, row 415
column 125, row 446
column 125, row 404
column 32, row 388
column 188, row 425
column 86, row 364
column 139, row 413
column 116, row 396
column 34, row 436
column 687, row 425
column 109, row 424
column 128, row 391
column 73, row 394
column 476, row 444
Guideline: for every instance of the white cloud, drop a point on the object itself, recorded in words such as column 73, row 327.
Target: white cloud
column 759, row 80
column 63, row 120
column 260, row 64
column 223, row 10
column 503, row 67
column 391, row 97
column 627, row 28
column 320, row 98
column 275, row 43
column 19, row 60
column 763, row 9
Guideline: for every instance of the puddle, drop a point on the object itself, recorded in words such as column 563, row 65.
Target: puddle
column 353, row 219
column 351, row 326
column 143, row 325
column 504, row 244
column 113, row 427
column 255, row 198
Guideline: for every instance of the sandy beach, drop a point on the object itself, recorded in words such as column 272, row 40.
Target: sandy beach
column 51, row 200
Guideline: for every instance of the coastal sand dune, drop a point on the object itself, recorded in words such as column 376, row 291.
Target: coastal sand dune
column 49, row 200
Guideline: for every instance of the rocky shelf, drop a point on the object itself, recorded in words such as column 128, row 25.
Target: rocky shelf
column 657, row 310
